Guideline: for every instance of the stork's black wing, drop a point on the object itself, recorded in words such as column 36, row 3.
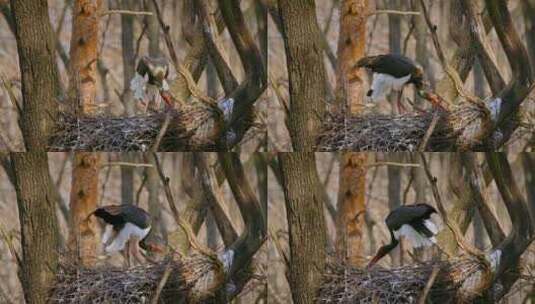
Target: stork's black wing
column 119, row 215
column 408, row 215
column 391, row 64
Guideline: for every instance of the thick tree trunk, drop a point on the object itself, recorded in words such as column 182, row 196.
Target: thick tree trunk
column 40, row 80
column 306, row 71
column 350, row 219
column 351, row 47
column 304, row 207
column 38, row 224
column 84, row 237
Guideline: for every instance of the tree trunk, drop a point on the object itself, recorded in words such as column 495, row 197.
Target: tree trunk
column 39, row 75
column 38, row 224
column 83, row 53
column 394, row 198
column 350, row 219
column 306, row 71
column 84, row 238
column 153, row 30
column 304, row 207
column 153, row 187
column 351, row 47
column 127, row 44
column 127, row 178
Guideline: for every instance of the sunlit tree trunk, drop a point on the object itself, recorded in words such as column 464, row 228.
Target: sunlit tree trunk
column 83, row 238
column 350, row 219
column 351, row 47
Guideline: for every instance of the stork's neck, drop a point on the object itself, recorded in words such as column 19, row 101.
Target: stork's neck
column 384, row 250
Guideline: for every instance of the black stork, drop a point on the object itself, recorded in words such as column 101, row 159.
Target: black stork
column 150, row 84
column 128, row 222
column 391, row 72
column 412, row 222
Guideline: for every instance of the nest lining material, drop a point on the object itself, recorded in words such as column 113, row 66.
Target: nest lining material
column 191, row 280
column 188, row 130
column 344, row 284
column 463, row 128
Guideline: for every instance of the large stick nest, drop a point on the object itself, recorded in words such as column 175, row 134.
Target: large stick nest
column 192, row 279
column 463, row 128
column 455, row 282
column 189, row 129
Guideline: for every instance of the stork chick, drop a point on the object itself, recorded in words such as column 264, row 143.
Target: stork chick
column 412, row 222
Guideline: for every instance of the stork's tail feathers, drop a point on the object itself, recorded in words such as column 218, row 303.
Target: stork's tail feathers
column 366, row 61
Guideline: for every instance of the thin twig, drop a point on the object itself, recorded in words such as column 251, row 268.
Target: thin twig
column 125, row 12
column 125, row 164
column 429, row 284
column 393, row 12
column 376, row 164
column 429, row 131
column 162, row 283
column 165, row 125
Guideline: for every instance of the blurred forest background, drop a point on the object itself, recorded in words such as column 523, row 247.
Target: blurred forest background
column 137, row 181
column 358, row 190
column 395, row 26
column 125, row 34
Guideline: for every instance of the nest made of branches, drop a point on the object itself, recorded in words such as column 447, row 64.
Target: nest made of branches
column 462, row 128
column 189, row 129
column 191, row 280
column 452, row 283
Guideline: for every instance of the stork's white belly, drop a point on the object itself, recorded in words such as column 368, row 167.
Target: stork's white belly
column 417, row 239
column 129, row 231
column 383, row 84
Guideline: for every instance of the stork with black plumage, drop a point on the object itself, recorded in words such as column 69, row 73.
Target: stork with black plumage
column 126, row 223
column 413, row 222
column 391, row 72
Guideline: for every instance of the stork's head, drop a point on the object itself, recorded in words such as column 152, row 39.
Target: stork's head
column 153, row 244
column 418, row 78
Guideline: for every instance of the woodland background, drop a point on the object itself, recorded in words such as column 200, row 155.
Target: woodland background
column 136, row 180
column 388, row 26
column 362, row 196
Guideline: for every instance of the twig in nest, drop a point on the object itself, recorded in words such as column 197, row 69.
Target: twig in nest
column 393, row 12
column 165, row 125
column 376, row 164
column 429, row 131
column 162, row 283
column 429, row 284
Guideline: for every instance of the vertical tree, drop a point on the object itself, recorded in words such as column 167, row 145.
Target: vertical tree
column 83, row 72
column 38, row 224
column 306, row 72
column 39, row 76
column 304, row 207
column 350, row 98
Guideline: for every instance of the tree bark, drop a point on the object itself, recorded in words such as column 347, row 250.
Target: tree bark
column 39, row 74
column 307, row 229
column 306, row 71
column 350, row 218
column 351, row 47
column 38, row 224
column 127, row 46
column 83, row 237
column 83, row 53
